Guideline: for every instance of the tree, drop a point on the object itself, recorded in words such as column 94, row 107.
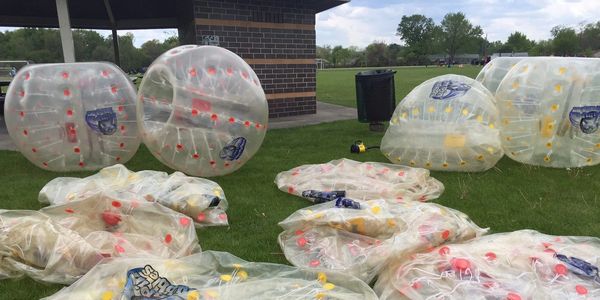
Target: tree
column 458, row 33
column 417, row 32
column 541, row 48
column 590, row 37
column 565, row 41
column 376, row 54
column 518, row 42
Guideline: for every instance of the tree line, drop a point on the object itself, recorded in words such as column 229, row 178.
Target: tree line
column 43, row 45
column 455, row 34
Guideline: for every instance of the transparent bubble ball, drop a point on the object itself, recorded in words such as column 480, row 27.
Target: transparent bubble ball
column 494, row 71
column 202, row 110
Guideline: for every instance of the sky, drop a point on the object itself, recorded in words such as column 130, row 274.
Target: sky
column 360, row 22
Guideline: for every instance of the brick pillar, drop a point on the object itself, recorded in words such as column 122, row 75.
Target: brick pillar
column 277, row 39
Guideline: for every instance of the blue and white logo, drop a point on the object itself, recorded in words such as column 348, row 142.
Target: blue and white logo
column 448, row 89
column 586, row 118
column 102, row 120
column 234, row 149
column 146, row 284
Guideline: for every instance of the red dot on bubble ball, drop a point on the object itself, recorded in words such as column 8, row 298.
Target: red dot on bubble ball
column 120, row 108
column 27, row 76
column 247, row 123
column 257, row 125
column 179, row 146
column 201, row 217
column 301, row 242
column 184, row 221
column 513, row 296
column 416, row 285
column 193, row 72
column 104, row 73
column 229, row 71
column 72, row 131
column 122, row 127
column 231, row 120
column 299, row 232
column 65, row 75
column 21, row 93
column 76, row 150
column 460, row 264
column 122, row 145
column 69, row 210
column 290, row 190
column 560, row 269
column 81, row 164
column 212, row 162
column 444, row 250
column 490, row 256
column 45, row 164
column 245, row 75
column 69, row 112
column 446, row 234
column 195, row 155
column 119, row 248
column 212, row 71
column 33, row 150
column 66, row 92
column 226, row 164
column 194, row 112
column 118, row 158
column 214, row 117
column 113, row 89
column 116, row 204
column 22, row 114
column 223, row 216
column 168, row 238
column 314, row 263
column 581, row 290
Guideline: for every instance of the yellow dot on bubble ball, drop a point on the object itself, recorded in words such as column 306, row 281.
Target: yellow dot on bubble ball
column 320, row 296
column 108, row 295
column 546, row 158
column 212, row 294
column 415, row 111
column 598, row 145
column 480, row 157
column 428, row 164
column 490, row 150
column 558, row 88
column 505, row 121
column 412, row 162
column 554, row 107
column 508, row 138
column 376, row 209
column 431, row 109
column 462, row 162
column 391, row 223
column 399, row 159
column 515, row 85
column 322, row 277
column 237, row 266
column 549, row 144
column 465, row 111
column 329, row 286
column 492, row 126
column 404, row 115
column 226, row 277
column 243, row 275
column 394, row 120
column 562, row 70
column 524, row 69
column 445, row 165
column 479, row 118
column 589, row 160
column 550, row 126
column 193, row 295
column 448, row 109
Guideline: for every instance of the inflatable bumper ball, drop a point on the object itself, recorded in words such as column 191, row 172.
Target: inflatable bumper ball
column 75, row 116
column 492, row 74
column 550, row 112
column 446, row 123
column 202, row 110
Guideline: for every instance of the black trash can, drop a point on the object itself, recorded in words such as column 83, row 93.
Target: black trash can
column 375, row 97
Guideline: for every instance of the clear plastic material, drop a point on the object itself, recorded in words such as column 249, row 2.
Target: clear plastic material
column 202, row 110
column 210, row 275
column 518, row 265
column 550, row 112
column 200, row 199
column 494, row 71
column 359, row 241
column 75, row 116
column 361, row 180
column 59, row 244
column 446, row 123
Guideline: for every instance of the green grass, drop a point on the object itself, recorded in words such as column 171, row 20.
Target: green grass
column 509, row 197
column 337, row 86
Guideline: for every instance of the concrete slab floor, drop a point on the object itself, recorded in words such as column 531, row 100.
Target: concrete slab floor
column 325, row 113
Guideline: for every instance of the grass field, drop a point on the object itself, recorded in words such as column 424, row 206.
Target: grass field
column 509, row 197
column 337, row 86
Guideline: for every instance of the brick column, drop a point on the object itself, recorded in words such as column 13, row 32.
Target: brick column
column 277, row 39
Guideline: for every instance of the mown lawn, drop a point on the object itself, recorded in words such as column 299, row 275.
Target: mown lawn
column 337, row 86
column 509, row 197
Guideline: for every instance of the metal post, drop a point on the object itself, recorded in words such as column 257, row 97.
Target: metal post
column 66, row 36
column 115, row 37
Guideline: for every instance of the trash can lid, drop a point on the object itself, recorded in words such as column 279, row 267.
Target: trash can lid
column 378, row 72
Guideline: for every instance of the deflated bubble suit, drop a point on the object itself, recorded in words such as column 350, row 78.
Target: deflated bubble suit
column 201, row 199
column 358, row 238
column 360, row 180
column 517, row 265
column 550, row 112
column 75, row 116
column 494, row 71
column 59, row 244
column 446, row 123
column 202, row 110
column 210, row 275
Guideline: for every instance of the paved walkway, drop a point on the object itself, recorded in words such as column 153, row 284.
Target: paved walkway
column 325, row 113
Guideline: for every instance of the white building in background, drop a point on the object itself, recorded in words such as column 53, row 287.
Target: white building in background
column 510, row 54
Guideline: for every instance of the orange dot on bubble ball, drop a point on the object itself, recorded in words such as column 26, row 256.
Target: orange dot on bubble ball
column 45, row 164
column 168, row 238
column 212, row 162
